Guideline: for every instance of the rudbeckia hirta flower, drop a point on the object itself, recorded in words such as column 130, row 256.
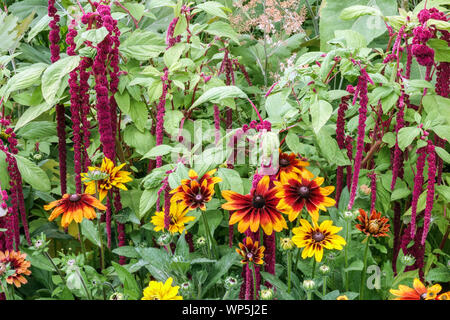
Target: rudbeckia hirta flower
column 18, row 264
column 315, row 238
column 375, row 225
column 74, row 207
column 298, row 192
column 115, row 178
column 251, row 252
column 259, row 208
column 178, row 218
column 418, row 292
column 161, row 291
column 290, row 163
column 194, row 193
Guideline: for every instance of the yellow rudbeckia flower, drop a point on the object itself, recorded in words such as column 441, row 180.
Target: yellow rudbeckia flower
column 115, row 178
column 161, row 291
column 178, row 218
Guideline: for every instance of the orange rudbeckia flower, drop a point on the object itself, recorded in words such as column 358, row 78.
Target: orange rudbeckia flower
column 375, row 225
column 251, row 252
column 418, row 292
column 17, row 263
column 74, row 207
column 194, row 192
column 258, row 208
column 296, row 192
column 289, row 163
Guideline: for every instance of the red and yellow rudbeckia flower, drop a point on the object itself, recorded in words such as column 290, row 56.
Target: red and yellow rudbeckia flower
column 194, row 192
column 289, row 163
column 296, row 192
column 258, row 208
column 18, row 264
column 419, row 292
column 374, row 225
column 74, row 207
column 251, row 251
column 314, row 238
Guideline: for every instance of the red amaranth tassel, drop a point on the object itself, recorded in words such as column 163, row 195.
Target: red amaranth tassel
column 85, row 109
column 398, row 154
column 167, row 197
column 61, row 131
column 120, row 227
column 430, row 189
column 373, row 190
column 340, row 138
column 269, row 255
column 418, row 182
column 361, row 91
column 160, row 115
column 349, row 147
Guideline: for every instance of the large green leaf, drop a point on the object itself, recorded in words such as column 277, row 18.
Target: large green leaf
column 32, row 113
column 130, row 285
column 33, row 174
column 217, row 94
column 142, row 45
column 231, row 180
column 320, row 113
column 53, row 76
column 25, row 78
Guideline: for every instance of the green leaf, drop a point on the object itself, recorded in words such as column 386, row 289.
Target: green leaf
column 142, row 45
column 126, row 251
column 158, row 262
column 444, row 155
column 220, row 268
column 158, row 151
column 281, row 286
column 213, row 8
column 320, row 113
column 33, row 174
column 53, row 76
column 442, row 131
column 357, row 11
column 406, row 136
column 38, row 27
column 141, row 141
column 440, row 274
column 330, row 149
column 223, row 29
column 123, row 101
column 4, row 176
column 173, row 54
column 25, row 78
column 94, row 35
column 139, row 114
column 400, row 194
column 231, row 180
column 38, row 130
column 147, row 201
column 89, row 230
column 217, row 94
column 32, row 113
column 131, row 287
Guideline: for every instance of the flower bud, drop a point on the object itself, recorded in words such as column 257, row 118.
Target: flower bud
column 343, row 297
column 116, row 296
column 37, row 157
column 349, row 215
column 365, row 189
column 286, row 243
column 324, row 269
column 201, row 241
column 408, row 260
column 164, row 239
column 230, row 282
column 266, row 294
column 309, row 284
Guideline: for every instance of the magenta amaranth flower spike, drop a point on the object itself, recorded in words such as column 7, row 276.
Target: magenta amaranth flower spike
column 398, row 154
column 85, row 108
column 442, row 89
column 418, row 182
column 216, row 124
column 361, row 91
column 170, row 39
column 349, row 147
column 75, row 107
column 430, row 189
column 373, row 190
column 160, row 109
column 340, row 138
column 61, row 131
column 53, row 35
column 120, row 227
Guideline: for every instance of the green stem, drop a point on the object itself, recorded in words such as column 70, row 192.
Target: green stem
column 255, row 294
column 83, row 249
column 54, row 266
column 5, row 290
column 102, row 253
column 324, row 289
column 308, row 295
column 12, row 292
column 313, row 269
column 296, row 259
column 84, row 284
column 211, row 247
column 225, row 296
column 347, row 240
column 363, row 275
column 313, row 17
column 289, row 267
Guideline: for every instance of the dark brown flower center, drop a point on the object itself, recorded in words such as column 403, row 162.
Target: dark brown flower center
column 74, row 197
column 318, row 236
column 258, row 201
column 303, row 191
column 198, row 198
column 284, row 162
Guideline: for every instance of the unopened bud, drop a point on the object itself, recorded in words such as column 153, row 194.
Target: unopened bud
column 309, row 284
column 286, row 243
column 266, row 294
column 116, row 296
column 324, row 269
column 408, row 260
column 230, row 282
